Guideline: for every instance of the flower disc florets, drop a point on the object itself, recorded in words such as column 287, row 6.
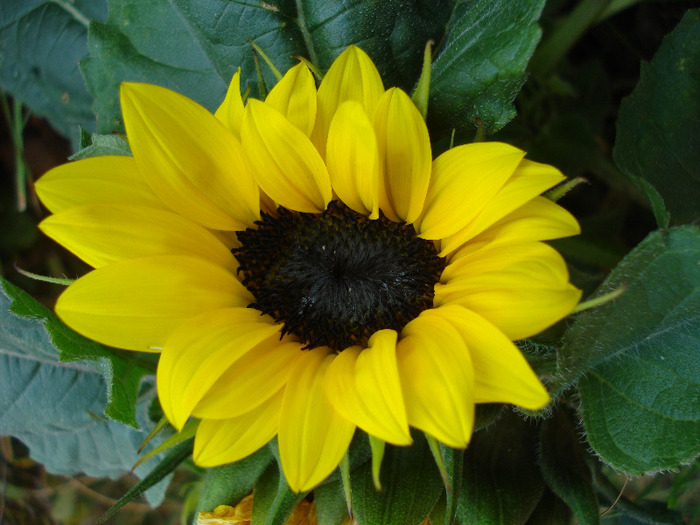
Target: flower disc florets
column 335, row 278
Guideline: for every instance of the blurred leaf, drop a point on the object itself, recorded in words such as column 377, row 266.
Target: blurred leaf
column 480, row 66
column 563, row 465
column 502, row 483
column 641, row 354
column 658, row 131
column 42, row 43
column 274, row 500
column 45, row 333
column 411, row 486
column 229, row 484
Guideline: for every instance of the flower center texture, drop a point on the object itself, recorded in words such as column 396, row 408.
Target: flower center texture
column 335, row 278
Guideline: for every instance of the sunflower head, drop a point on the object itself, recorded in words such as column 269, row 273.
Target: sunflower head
column 305, row 267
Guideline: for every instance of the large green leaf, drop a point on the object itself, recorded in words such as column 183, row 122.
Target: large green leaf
column 56, row 408
column 42, row 43
column 121, row 371
column 393, row 33
column 411, row 486
column 641, row 356
column 501, row 481
column 481, row 64
column 658, row 132
column 191, row 47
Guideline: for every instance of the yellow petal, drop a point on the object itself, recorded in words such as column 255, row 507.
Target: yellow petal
column 136, row 304
column 537, row 220
column 230, row 112
column 102, row 234
column 222, row 441
column 98, row 180
column 285, row 163
column 501, row 256
column 200, row 351
column 364, row 387
column 250, row 380
column 189, row 158
column 353, row 160
column 352, row 76
column 464, row 180
column 295, row 97
column 437, row 379
column 501, row 373
column 404, row 154
column 312, row 436
column 528, row 181
column 521, row 300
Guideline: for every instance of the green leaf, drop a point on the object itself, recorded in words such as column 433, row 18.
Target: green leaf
column 169, row 463
column 501, row 483
column 274, row 500
column 639, row 403
column 331, row 507
column 42, row 43
column 563, row 465
column 121, row 371
column 229, row 484
column 191, row 47
column 454, row 463
column 55, row 407
column 103, row 145
column 393, row 33
column 658, row 131
column 480, row 66
column 411, row 486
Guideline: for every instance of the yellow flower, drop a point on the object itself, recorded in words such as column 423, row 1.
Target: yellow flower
column 307, row 268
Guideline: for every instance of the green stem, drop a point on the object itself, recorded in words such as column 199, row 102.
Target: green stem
column 80, row 17
column 301, row 22
column 566, row 34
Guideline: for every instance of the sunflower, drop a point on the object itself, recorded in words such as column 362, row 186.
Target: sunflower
column 305, row 267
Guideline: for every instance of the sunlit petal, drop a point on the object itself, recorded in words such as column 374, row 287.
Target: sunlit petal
column 230, row 112
column 295, row 97
column 353, row 160
column 284, row 161
column 437, row 379
column 364, row 386
column 352, row 76
column 538, row 220
column 102, row 234
column 222, row 441
column 464, row 180
column 136, row 304
column 200, row 351
column 404, row 154
column 254, row 377
column 98, row 180
column 313, row 437
column 501, row 373
column 189, row 158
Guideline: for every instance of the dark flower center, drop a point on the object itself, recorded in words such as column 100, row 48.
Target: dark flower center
column 335, row 278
